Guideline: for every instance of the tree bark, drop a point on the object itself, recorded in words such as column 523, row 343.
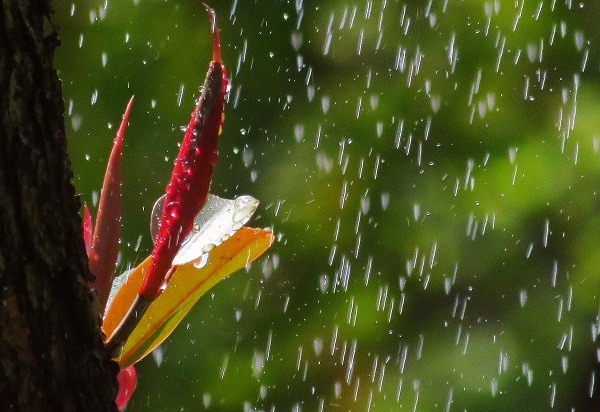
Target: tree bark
column 51, row 351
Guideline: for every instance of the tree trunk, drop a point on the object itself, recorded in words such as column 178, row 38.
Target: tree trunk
column 51, row 352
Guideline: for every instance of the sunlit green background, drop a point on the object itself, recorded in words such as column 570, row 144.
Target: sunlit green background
column 430, row 168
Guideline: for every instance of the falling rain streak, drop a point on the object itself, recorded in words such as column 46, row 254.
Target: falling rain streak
column 430, row 171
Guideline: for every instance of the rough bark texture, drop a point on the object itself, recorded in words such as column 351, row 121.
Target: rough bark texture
column 51, row 352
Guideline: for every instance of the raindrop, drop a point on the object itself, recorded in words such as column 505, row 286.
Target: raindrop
column 420, row 346
column 416, row 211
column 76, row 121
column 102, row 10
column 385, row 200
column 325, row 104
column 358, row 107
column 247, row 156
column 361, row 37
column 324, row 163
column 560, row 310
column 94, row 98
column 522, row 297
column 296, row 40
column 350, row 364
column 318, row 346
column 310, row 91
column 518, row 16
column 299, row 132
column 435, row 103
column 323, row 283
column 157, row 354
column 379, row 129
column 512, row 154
column 491, row 100
column 180, row 94
column 546, row 233
column 368, row 270
column 328, row 38
column 376, row 167
column 344, row 194
column 374, row 101
column 447, row 285
column 224, row 365
column 201, row 261
column 564, row 363
column 337, row 390
column 262, row 392
column 364, row 204
column 258, row 363
column 267, row 268
column 286, row 303
column 399, row 389
column 579, row 39
column 531, row 52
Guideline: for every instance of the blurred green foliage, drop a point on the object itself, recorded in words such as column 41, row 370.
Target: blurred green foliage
column 431, row 170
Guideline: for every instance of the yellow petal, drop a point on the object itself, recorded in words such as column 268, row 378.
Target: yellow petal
column 184, row 289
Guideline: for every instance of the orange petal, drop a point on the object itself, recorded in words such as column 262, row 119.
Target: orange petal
column 186, row 286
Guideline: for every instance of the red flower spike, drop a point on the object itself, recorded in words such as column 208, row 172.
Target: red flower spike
column 187, row 190
column 127, row 379
column 105, row 242
column 190, row 181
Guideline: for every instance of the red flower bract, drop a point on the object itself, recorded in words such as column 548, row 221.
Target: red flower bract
column 187, row 189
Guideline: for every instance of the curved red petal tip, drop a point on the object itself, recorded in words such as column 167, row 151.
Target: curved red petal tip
column 121, row 131
column 127, row 379
column 215, row 32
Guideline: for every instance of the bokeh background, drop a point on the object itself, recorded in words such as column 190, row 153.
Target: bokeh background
column 430, row 169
